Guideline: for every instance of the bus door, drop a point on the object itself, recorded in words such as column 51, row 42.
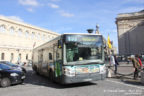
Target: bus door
column 57, row 61
column 44, row 63
column 40, row 60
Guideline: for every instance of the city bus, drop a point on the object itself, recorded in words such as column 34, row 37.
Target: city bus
column 71, row 58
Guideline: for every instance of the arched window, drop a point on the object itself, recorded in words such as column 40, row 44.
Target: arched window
column 11, row 30
column 20, row 32
column 12, row 57
column 26, row 56
column 2, row 56
column 48, row 37
column 52, row 36
column 44, row 37
column 36, row 35
column 19, row 56
column 27, row 34
column 50, row 56
column 2, row 28
column 33, row 34
column 39, row 36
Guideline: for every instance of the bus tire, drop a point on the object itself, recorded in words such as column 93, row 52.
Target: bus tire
column 51, row 76
column 37, row 73
column 35, row 69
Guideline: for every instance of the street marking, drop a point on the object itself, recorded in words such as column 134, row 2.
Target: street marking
column 125, row 84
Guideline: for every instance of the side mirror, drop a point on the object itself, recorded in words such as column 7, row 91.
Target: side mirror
column 59, row 44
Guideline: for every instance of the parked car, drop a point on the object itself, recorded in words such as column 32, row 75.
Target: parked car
column 14, row 66
column 8, row 76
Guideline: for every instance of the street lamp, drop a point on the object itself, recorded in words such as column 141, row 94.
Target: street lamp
column 97, row 29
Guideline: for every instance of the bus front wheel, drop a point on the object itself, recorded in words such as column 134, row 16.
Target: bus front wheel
column 36, row 70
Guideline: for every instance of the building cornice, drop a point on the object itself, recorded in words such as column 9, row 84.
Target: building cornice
column 130, row 16
column 26, row 25
column 16, row 47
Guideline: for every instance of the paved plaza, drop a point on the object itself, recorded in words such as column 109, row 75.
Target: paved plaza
column 36, row 85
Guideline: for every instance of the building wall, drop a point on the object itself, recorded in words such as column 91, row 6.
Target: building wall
column 20, row 38
column 130, row 29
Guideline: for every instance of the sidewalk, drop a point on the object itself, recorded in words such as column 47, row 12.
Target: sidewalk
column 125, row 74
column 122, row 64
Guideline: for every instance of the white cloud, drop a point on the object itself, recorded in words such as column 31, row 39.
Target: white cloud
column 53, row 5
column 65, row 14
column 131, row 9
column 29, row 2
column 15, row 18
column 30, row 9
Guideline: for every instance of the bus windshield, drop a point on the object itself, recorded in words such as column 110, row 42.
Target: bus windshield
column 86, row 50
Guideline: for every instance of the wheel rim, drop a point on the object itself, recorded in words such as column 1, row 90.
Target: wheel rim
column 5, row 82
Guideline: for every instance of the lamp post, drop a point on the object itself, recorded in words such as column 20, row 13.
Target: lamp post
column 97, row 29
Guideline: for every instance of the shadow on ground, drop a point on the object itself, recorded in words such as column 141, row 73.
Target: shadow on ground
column 129, row 80
column 34, row 79
column 132, row 82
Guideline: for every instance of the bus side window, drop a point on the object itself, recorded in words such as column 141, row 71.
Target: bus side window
column 58, row 55
column 50, row 56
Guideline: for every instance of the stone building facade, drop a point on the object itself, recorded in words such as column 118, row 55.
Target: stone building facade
column 130, row 28
column 18, row 39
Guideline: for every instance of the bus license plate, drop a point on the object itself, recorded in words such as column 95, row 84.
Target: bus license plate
column 87, row 79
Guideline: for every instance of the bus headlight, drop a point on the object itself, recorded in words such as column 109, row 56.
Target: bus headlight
column 68, row 72
column 102, row 69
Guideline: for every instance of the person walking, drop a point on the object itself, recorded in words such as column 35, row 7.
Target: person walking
column 139, row 60
column 113, row 61
column 116, row 63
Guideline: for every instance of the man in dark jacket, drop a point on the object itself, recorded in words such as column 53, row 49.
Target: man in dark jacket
column 116, row 64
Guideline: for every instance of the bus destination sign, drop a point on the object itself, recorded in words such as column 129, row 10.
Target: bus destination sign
column 73, row 38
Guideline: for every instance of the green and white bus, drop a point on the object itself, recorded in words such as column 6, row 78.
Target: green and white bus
column 71, row 58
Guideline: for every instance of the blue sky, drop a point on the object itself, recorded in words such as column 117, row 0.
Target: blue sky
column 70, row 16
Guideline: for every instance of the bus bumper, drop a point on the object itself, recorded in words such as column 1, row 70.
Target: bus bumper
column 82, row 78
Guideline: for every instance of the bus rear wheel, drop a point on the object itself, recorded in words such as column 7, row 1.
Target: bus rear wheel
column 36, row 70
column 51, row 76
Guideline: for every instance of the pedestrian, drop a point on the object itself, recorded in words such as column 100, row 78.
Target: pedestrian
column 139, row 60
column 136, row 66
column 113, row 61
column 116, row 63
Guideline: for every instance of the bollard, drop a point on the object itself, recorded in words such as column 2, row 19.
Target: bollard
column 109, row 73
